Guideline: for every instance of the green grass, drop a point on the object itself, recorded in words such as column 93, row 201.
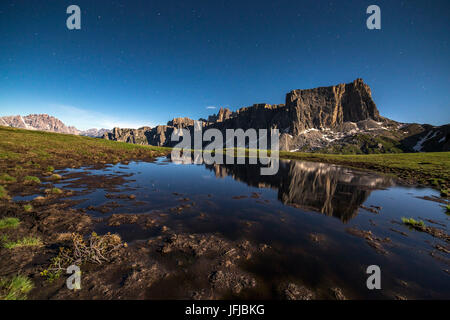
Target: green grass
column 32, row 179
column 5, row 178
column 412, row 222
column 24, row 242
column 3, row 193
column 36, row 152
column 28, row 208
column 15, row 288
column 366, row 144
column 56, row 191
column 9, row 223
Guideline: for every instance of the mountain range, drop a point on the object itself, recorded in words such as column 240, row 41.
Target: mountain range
column 337, row 119
column 44, row 122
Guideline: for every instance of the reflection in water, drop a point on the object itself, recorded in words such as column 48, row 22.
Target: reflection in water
column 329, row 189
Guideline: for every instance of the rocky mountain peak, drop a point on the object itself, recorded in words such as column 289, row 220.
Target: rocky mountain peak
column 42, row 122
column 329, row 107
column 181, row 122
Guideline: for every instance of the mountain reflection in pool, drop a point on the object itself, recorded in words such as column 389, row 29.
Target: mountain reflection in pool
column 332, row 190
column 287, row 211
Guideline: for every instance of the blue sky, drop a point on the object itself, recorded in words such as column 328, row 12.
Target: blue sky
column 137, row 63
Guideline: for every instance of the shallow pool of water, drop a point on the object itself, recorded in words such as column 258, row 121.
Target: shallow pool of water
column 304, row 201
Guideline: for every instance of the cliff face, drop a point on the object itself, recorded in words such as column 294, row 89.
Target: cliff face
column 157, row 136
column 329, row 107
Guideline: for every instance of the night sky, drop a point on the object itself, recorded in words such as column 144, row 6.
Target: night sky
column 137, row 63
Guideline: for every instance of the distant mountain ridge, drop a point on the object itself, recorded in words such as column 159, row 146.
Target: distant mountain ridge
column 45, row 122
column 95, row 133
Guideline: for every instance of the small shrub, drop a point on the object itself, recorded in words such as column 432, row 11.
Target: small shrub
column 447, row 209
column 15, row 288
column 97, row 249
column 445, row 192
column 50, row 169
column 31, row 179
column 414, row 223
column 9, row 223
column 56, row 191
column 28, row 208
column 3, row 193
column 24, row 242
column 6, row 178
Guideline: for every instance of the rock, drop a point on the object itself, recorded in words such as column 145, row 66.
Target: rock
column 372, row 209
column 216, row 276
column 119, row 219
column 371, row 239
column 317, row 237
column 337, row 292
column 295, row 292
column 231, row 280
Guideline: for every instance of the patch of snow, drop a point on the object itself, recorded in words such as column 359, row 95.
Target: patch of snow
column 308, row 130
column 434, row 135
column 442, row 139
column 25, row 124
column 418, row 146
